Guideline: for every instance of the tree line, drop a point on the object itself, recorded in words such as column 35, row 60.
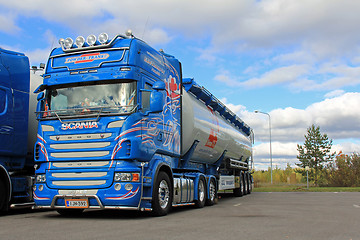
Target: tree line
column 326, row 168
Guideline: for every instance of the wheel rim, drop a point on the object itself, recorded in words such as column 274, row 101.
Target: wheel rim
column 212, row 191
column 201, row 191
column 164, row 194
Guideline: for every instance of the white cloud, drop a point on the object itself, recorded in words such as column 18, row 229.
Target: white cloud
column 337, row 117
column 328, row 27
column 234, row 108
column 7, row 24
column 278, row 76
column 335, row 93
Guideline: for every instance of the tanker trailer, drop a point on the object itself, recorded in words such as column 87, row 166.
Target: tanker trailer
column 119, row 128
column 217, row 138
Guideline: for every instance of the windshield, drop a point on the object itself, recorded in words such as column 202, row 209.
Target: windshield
column 118, row 98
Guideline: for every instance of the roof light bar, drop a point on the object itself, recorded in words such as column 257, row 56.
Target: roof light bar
column 91, row 40
column 103, row 38
column 80, row 41
column 68, row 42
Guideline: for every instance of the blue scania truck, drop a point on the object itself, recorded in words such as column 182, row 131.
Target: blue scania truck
column 18, row 128
column 120, row 128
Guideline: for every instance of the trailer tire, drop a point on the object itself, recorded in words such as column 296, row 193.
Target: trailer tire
column 200, row 202
column 238, row 192
column 162, row 195
column 3, row 197
column 70, row 212
column 212, row 193
column 251, row 183
column 246, row 184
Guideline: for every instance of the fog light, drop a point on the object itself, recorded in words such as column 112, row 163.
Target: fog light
column 128, row 186
column 117, row 186
column 40, row 178
column 41, row 187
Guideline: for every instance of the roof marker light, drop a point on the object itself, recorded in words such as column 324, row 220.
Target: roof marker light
column 68, row 42
column 80, row 41
column 91, row 40
column 129, row 33
column 103, row 38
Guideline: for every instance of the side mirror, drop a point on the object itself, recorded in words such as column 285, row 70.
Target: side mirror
column 157, row 97
column 156, row 101
column 40, row 96
column 159, row 85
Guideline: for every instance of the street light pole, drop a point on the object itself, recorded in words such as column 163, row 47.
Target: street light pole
column 271, row 174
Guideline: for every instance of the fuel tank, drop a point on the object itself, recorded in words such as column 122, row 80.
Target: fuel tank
column 214, row 132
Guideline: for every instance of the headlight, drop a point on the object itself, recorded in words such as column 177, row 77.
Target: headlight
column 103, row 38
column 126, row 177
column 91, row 40
column 68, row 42
column 41, row 178
column 80, row 41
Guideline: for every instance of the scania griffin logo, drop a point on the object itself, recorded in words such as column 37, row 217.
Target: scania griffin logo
column 79, row 125
column 90, row 57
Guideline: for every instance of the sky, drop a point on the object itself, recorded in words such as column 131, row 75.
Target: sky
column 298, row 61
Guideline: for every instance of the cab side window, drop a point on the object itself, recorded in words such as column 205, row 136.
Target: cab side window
column 145, row 101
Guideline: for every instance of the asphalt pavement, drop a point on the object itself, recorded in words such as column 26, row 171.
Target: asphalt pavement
column 255, row 216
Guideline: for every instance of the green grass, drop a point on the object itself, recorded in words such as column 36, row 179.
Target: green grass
column 295, row 188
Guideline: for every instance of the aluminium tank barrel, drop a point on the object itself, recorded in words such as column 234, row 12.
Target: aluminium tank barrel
column 214, row 133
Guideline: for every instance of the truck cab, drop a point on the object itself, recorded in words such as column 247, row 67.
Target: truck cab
column 16, row 160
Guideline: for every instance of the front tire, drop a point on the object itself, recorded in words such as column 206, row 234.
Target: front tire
column 3, row 198
column 162, row 195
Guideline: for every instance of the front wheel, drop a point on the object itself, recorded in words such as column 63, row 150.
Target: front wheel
column 162, row 195
column 3, row 197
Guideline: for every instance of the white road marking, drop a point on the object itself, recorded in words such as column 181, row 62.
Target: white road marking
column 236, row 205
column 357, row 206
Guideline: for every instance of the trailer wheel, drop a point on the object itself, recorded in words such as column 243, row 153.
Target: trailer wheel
column 238, row 192
column 251, row 183
column 3, row 197
column 246, row 183
column 212, row 193
column 70, row 212
column 162, row 195
column 200, row 202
